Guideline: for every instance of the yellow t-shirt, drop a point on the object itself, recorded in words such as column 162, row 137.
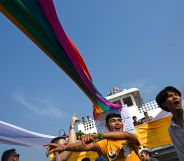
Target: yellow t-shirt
column 118, row 150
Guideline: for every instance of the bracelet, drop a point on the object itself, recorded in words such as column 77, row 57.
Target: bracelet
column 72, row 126
column 79, row 133
column 100, row 135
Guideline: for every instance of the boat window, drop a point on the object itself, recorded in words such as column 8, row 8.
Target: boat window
column 127, row 101
column 117, row 102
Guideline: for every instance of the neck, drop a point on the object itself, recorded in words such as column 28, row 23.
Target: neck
column 178, row 117
column 148, row 158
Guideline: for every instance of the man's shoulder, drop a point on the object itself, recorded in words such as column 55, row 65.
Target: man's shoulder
column 171, row 130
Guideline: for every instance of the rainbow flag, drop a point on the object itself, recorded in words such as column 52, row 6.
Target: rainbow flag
column 38, row 20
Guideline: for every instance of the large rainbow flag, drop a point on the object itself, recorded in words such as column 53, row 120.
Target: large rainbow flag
column 38, row 20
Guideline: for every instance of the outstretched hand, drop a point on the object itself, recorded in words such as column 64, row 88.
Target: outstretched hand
column 74, row 119
column 53, row 147
column 88, row 138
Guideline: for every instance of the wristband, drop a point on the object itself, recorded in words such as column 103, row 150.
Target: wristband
column 72, row 126
column 79, row 133
column 100, row 135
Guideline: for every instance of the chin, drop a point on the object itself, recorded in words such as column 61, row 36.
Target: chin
column 178, row 108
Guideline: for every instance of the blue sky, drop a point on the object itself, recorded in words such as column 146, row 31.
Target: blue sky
column 125, row 43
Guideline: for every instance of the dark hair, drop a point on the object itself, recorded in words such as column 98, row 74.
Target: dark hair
column 55, row 140
column 163, row 94
column 146, row 152
column 7, row 154
column 134, row 117
column 112, row 115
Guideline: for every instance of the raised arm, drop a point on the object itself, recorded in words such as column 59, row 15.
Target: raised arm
column 72, row 134
column 121, row 135
column 71, row 139
column 116, row 135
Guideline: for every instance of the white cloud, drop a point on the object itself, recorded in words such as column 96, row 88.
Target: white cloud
column 38, row 106
column 146, row 88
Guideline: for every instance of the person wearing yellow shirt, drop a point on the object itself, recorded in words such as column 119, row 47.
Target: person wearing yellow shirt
column 114, row 145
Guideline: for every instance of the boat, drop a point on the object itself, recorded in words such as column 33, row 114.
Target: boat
column 131, row 99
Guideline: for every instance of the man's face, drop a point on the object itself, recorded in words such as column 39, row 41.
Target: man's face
column 62, row 142
column 144, row 157
column 115, row 124
column 145, row 114
column 173, row 101
column 15, row 157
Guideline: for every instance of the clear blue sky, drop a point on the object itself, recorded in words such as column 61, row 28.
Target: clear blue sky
column 125, row 43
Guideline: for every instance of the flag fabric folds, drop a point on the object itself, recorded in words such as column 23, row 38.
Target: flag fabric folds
column 147, row 134
column 39, row 21
column 14, row 135
column 154, row 133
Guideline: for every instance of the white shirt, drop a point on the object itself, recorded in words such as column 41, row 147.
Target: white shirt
column 177, row 136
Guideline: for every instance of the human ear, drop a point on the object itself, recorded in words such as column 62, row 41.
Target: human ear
column 107, row 126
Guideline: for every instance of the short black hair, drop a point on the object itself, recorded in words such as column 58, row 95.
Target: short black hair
column 7, row 154
column 134, row 117
column 112, row 115
column 163, row 94
column 55, row 140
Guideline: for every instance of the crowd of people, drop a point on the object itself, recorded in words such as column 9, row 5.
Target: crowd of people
column 114, row 144
column 143, row 120
column 117, row 145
